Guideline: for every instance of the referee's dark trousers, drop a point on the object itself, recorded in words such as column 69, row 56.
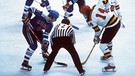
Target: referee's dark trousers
column 63, row 42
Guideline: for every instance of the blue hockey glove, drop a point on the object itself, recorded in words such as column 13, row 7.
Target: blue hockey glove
column 44, row 3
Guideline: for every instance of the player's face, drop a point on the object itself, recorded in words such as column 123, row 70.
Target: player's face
column 51, row 19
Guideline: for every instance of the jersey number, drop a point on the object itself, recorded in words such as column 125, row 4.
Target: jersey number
column 102, row 11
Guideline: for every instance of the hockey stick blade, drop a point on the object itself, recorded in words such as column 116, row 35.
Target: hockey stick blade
column 60, row 63
column 122, row 25
column 75, row 27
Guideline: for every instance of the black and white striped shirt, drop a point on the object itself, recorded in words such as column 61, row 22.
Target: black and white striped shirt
column 63, row 30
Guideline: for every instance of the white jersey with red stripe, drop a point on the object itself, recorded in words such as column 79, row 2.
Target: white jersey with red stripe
column 100, row 16
column 103, row 18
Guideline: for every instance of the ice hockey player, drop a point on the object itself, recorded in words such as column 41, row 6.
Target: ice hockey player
column 63, row 36
column 41, row 25
column 69, row 6
column 28, row 3
column 45, row 3
column 110, row 6
column 99, row 17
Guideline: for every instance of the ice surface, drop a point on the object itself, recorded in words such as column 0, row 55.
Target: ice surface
column 13, row 45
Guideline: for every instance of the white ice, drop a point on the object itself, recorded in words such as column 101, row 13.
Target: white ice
column 13, row 45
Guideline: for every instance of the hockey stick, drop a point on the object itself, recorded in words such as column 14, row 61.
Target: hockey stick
column 59, row 63
column 117, row 16
column 37, row 1
column 120, row 20
column 91, row 50
column 75, row 27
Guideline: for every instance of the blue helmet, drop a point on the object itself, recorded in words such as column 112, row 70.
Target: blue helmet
column 53, row 13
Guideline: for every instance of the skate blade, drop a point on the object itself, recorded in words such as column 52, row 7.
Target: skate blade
column 108, row 70
column 25, row 68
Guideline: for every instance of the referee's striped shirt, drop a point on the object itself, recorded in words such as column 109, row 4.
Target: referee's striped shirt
column 63, row 30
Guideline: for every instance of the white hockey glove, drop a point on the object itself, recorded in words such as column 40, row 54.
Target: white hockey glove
column 27, row 19
column 25, row 15
column 96, row 39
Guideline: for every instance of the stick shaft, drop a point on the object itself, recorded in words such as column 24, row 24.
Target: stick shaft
column 91, row 50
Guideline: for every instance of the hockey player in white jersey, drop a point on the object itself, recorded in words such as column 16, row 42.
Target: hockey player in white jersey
column 99, row 17
column 110, row 6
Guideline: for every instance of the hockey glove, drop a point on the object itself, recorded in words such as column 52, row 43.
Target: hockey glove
column 45, row 44
column 44, row 3
column 25, row 15
column 112, row 8
column 96, row 39
column 27, row 19
column 65, row 7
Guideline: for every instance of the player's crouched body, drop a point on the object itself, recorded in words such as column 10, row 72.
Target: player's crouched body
column 110, row 23
column 37, row 29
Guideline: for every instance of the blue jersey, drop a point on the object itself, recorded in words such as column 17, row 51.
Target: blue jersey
column 39, row 23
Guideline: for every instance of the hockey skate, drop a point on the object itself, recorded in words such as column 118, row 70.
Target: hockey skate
column 26, row 66
column 109, row 68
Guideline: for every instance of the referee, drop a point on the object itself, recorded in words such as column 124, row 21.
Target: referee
column 63, row 37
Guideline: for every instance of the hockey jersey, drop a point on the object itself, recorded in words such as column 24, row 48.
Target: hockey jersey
column 39, row 22
column 110, row 5
column 103, row 18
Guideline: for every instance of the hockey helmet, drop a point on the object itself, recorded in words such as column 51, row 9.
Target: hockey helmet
column 65, row 21
column 53, row 14
column 84, row 9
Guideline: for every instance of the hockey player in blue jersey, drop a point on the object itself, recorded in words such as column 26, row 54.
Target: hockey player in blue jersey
column 37, row 29
column 28, row 3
